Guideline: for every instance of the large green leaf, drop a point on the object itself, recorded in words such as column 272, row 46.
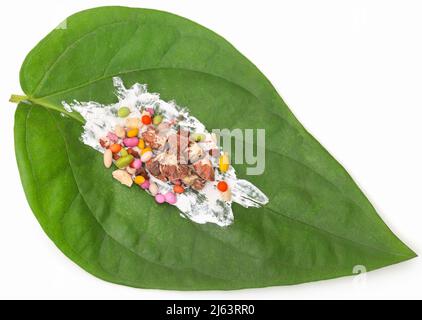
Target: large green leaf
column 317, row 225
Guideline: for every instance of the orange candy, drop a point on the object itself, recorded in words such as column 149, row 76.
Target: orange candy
column 178, row 189
column 222, row 186
column 132, row 133
column 139, row 180
column 115, row 148
column 146, row 119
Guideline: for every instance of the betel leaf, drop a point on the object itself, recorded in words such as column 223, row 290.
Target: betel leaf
column 317, row 225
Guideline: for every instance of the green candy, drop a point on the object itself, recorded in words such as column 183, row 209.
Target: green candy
column 123, row 152
column 198, row 137
column 123, row 112
column 157, row 119
column 124, row 161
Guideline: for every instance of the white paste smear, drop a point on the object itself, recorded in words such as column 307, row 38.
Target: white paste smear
column 201, row 206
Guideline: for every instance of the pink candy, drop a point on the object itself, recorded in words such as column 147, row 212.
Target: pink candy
column 136, row 164
column 112, row 137
column 159, row 198
column 145, row 185
column 170, row 198
column 131, row 142
column 151, row 111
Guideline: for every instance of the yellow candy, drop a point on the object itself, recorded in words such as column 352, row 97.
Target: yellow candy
column 144, row 150
column 224, row 162
column 139, row 180
column 132, row 133
column 141, row 144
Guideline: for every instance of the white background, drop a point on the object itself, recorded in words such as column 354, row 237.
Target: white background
column 351, row 71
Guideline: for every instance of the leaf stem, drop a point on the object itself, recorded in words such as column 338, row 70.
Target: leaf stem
column 15, row 98
column 49, row 105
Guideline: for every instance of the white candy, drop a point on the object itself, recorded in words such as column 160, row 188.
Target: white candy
column 146, row 156
column 120, row 132
column 108, row 158
column 123, row 177
column 153, row 188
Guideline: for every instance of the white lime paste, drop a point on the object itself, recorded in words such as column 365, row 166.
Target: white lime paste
column 201, row 206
